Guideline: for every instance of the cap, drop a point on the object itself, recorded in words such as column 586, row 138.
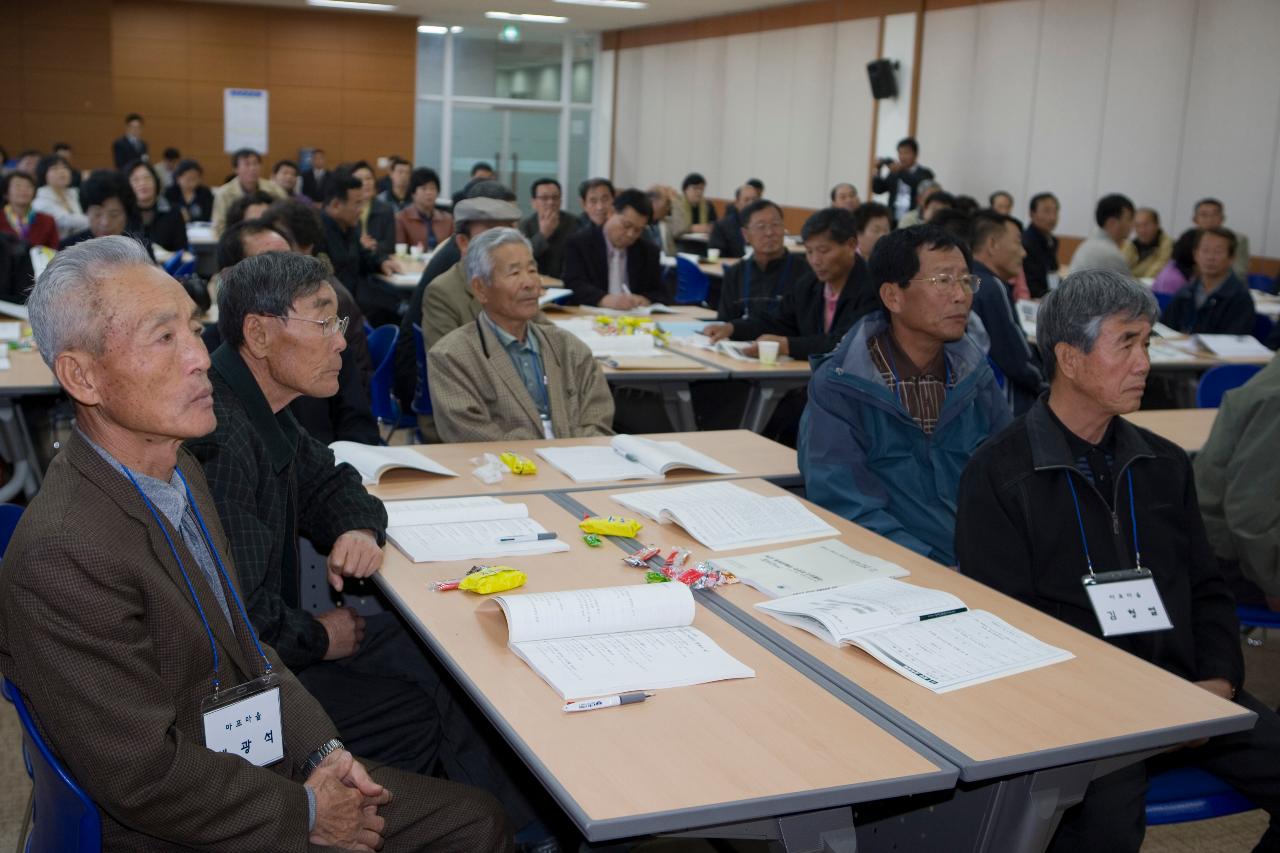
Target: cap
column 485, row 210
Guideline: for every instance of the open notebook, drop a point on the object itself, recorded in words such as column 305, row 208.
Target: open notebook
column 597, row 642
column 629, row 457
column 925, row 635
column 372, row 461
column 723, row 515
column 806, row 568
column 463, row 529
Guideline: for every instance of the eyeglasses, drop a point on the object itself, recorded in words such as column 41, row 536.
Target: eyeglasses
column 329, row 326
column 944, row 282
column 767, row 227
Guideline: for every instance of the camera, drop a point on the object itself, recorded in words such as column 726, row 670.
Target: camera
column 885, row 161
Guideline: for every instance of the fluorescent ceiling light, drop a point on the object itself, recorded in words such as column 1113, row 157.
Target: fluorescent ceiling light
column 612, row 4
column 526, row 18
column 437, row 29
column 353, row 4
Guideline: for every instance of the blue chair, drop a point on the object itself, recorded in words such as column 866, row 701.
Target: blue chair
column 1163, row 300
column 421, row 393
column 1262, row 327
column 9, row 516
column 62, row 817
column 692, row 284
column 1217, row 381
column 1187, row 794
column 996, row 372
column 382, row 352
column 1258, row 281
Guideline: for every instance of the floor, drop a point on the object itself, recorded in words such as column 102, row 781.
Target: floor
column 1236, row 834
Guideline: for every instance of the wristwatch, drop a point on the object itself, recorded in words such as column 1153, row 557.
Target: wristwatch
column 314, row 759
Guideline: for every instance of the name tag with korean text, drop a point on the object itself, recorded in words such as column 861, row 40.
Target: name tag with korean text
column 1126, row 602
column 246, row 721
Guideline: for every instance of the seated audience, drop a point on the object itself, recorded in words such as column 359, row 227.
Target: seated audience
column 480, row 172
column 161, row 224
column 726, row 233
column 421, row 223
column 188, row 194
column 313, row 175
column 97, row 593
column 346, row 416
column 340, row 215
column 131, row 146
column 846, row 196
column 826, row 300
column 937, row 202
column 398, row 193
column 895, row 412
column 1001, row 202
column 449, row 301
column 1236, row 481
column 20, row 218
column 1209, row 213
column 596, row 196
column 548, row 227
column 250, row 206
column 164, row 169
column 59, row 198
column 667, row 220
column 997, row 259
column 504, row 377
column 1101, row 250
column 1181, row 267
column 871, row 221
column 248, row 179
column 1070, row 488
column 756, row 285
column 1150, row 249
column 27, row 162
column 377, row 222
column 288, row 178
column 63, row 150
column 915, row 216
column 610, row 265
column 109, row 205
column 904, row 181
column 1216, row 301
column 698, row 210
column 1041, row 263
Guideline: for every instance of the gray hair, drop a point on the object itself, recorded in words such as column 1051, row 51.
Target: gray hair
column 65, row 304
column 266, row 284
column 1074, row 312
column 481, row 249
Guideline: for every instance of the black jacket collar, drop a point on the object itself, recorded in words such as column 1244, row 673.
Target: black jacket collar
column 1049, row 447
column 279, row 432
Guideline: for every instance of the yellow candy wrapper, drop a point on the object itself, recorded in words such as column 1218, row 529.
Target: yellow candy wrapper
column 485, row 580
column 611, row 526
column 518, row 464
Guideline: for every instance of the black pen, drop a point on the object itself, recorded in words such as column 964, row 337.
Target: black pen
column 943, row 613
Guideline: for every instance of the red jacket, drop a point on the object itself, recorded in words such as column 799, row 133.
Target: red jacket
column 43, row 232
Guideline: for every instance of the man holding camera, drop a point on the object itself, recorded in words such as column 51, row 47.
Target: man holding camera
column 904, row 177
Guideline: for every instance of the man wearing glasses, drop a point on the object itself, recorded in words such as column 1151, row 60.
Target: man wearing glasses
column 896, row 411
column 548, row 227
column 273, row 483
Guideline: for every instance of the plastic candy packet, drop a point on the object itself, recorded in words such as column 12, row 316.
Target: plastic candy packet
column 485, row 580
column 518, row 464
column 611, row 526
column 488, row 469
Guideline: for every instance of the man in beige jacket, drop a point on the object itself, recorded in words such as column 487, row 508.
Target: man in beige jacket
column 503, row 376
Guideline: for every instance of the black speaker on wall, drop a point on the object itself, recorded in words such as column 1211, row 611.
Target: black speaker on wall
column 884, row 80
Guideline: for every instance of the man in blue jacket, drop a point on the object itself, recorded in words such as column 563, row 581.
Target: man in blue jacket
column 896, row 411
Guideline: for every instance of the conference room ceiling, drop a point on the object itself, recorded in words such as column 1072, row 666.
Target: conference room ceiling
column 581, row 18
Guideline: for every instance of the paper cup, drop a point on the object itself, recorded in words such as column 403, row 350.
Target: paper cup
column 402, row 248
column 713, row 254
column 768, row 351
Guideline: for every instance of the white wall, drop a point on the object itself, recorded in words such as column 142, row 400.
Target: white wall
column 790, row 107
column 893, row 119
column 1164, row 100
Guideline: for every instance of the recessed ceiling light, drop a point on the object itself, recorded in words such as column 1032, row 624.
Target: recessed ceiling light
column 526, row 18
column 612, row 4
column 455, row 29
column 432, row 30
column 353, row 4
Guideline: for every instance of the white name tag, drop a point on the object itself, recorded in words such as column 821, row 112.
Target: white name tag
column 1126, row 602
column 245, row 721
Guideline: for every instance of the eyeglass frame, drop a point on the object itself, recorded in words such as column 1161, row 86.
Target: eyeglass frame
column 339, row 326
column 968, row 282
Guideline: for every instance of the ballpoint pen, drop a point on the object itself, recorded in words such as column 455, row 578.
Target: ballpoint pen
column 608, row 701
column 527, row 537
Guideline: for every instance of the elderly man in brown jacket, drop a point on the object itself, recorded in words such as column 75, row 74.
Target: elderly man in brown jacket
column 121, row 619
column 503, row 376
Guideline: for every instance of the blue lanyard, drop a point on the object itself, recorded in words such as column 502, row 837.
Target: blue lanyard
column 1133, row 517
column 746, row 282
column 182, row 568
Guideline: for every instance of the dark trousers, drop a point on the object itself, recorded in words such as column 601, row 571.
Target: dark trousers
column 393, row 705
column 1112, row 816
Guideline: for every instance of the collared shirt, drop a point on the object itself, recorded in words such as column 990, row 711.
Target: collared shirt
column 617, row 267
column 749, row 291
column 921, row 391
column 1095, row 462
column 829, row 299
column 170, row 500
column 527, row 360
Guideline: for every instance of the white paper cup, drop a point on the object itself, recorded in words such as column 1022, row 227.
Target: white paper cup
column 713, row 254
column 768, row 351
column 402, row 248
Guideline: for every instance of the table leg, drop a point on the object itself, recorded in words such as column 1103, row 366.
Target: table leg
column 762, row 399
column 678, row 401
column 21, row 451
column 825, row 831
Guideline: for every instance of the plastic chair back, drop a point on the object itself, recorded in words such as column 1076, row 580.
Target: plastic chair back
column 1258, row 281
column 10, row 514
column 382, row 346
column 1217, row 381
column 1257, row 617
column 692, row 283
column 421, row 393
column 1188, row 793
column 1163, row 300
column 63, row 818
column 1262, row 327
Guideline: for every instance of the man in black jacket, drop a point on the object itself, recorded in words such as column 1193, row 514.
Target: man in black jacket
column 1041, row 263
column 1017, row 530
column 131, row 146
column 726, row 233
column 904, row 178
column 341, row 217
column 1215, row 302
column 610, row 265
column 757, row 284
